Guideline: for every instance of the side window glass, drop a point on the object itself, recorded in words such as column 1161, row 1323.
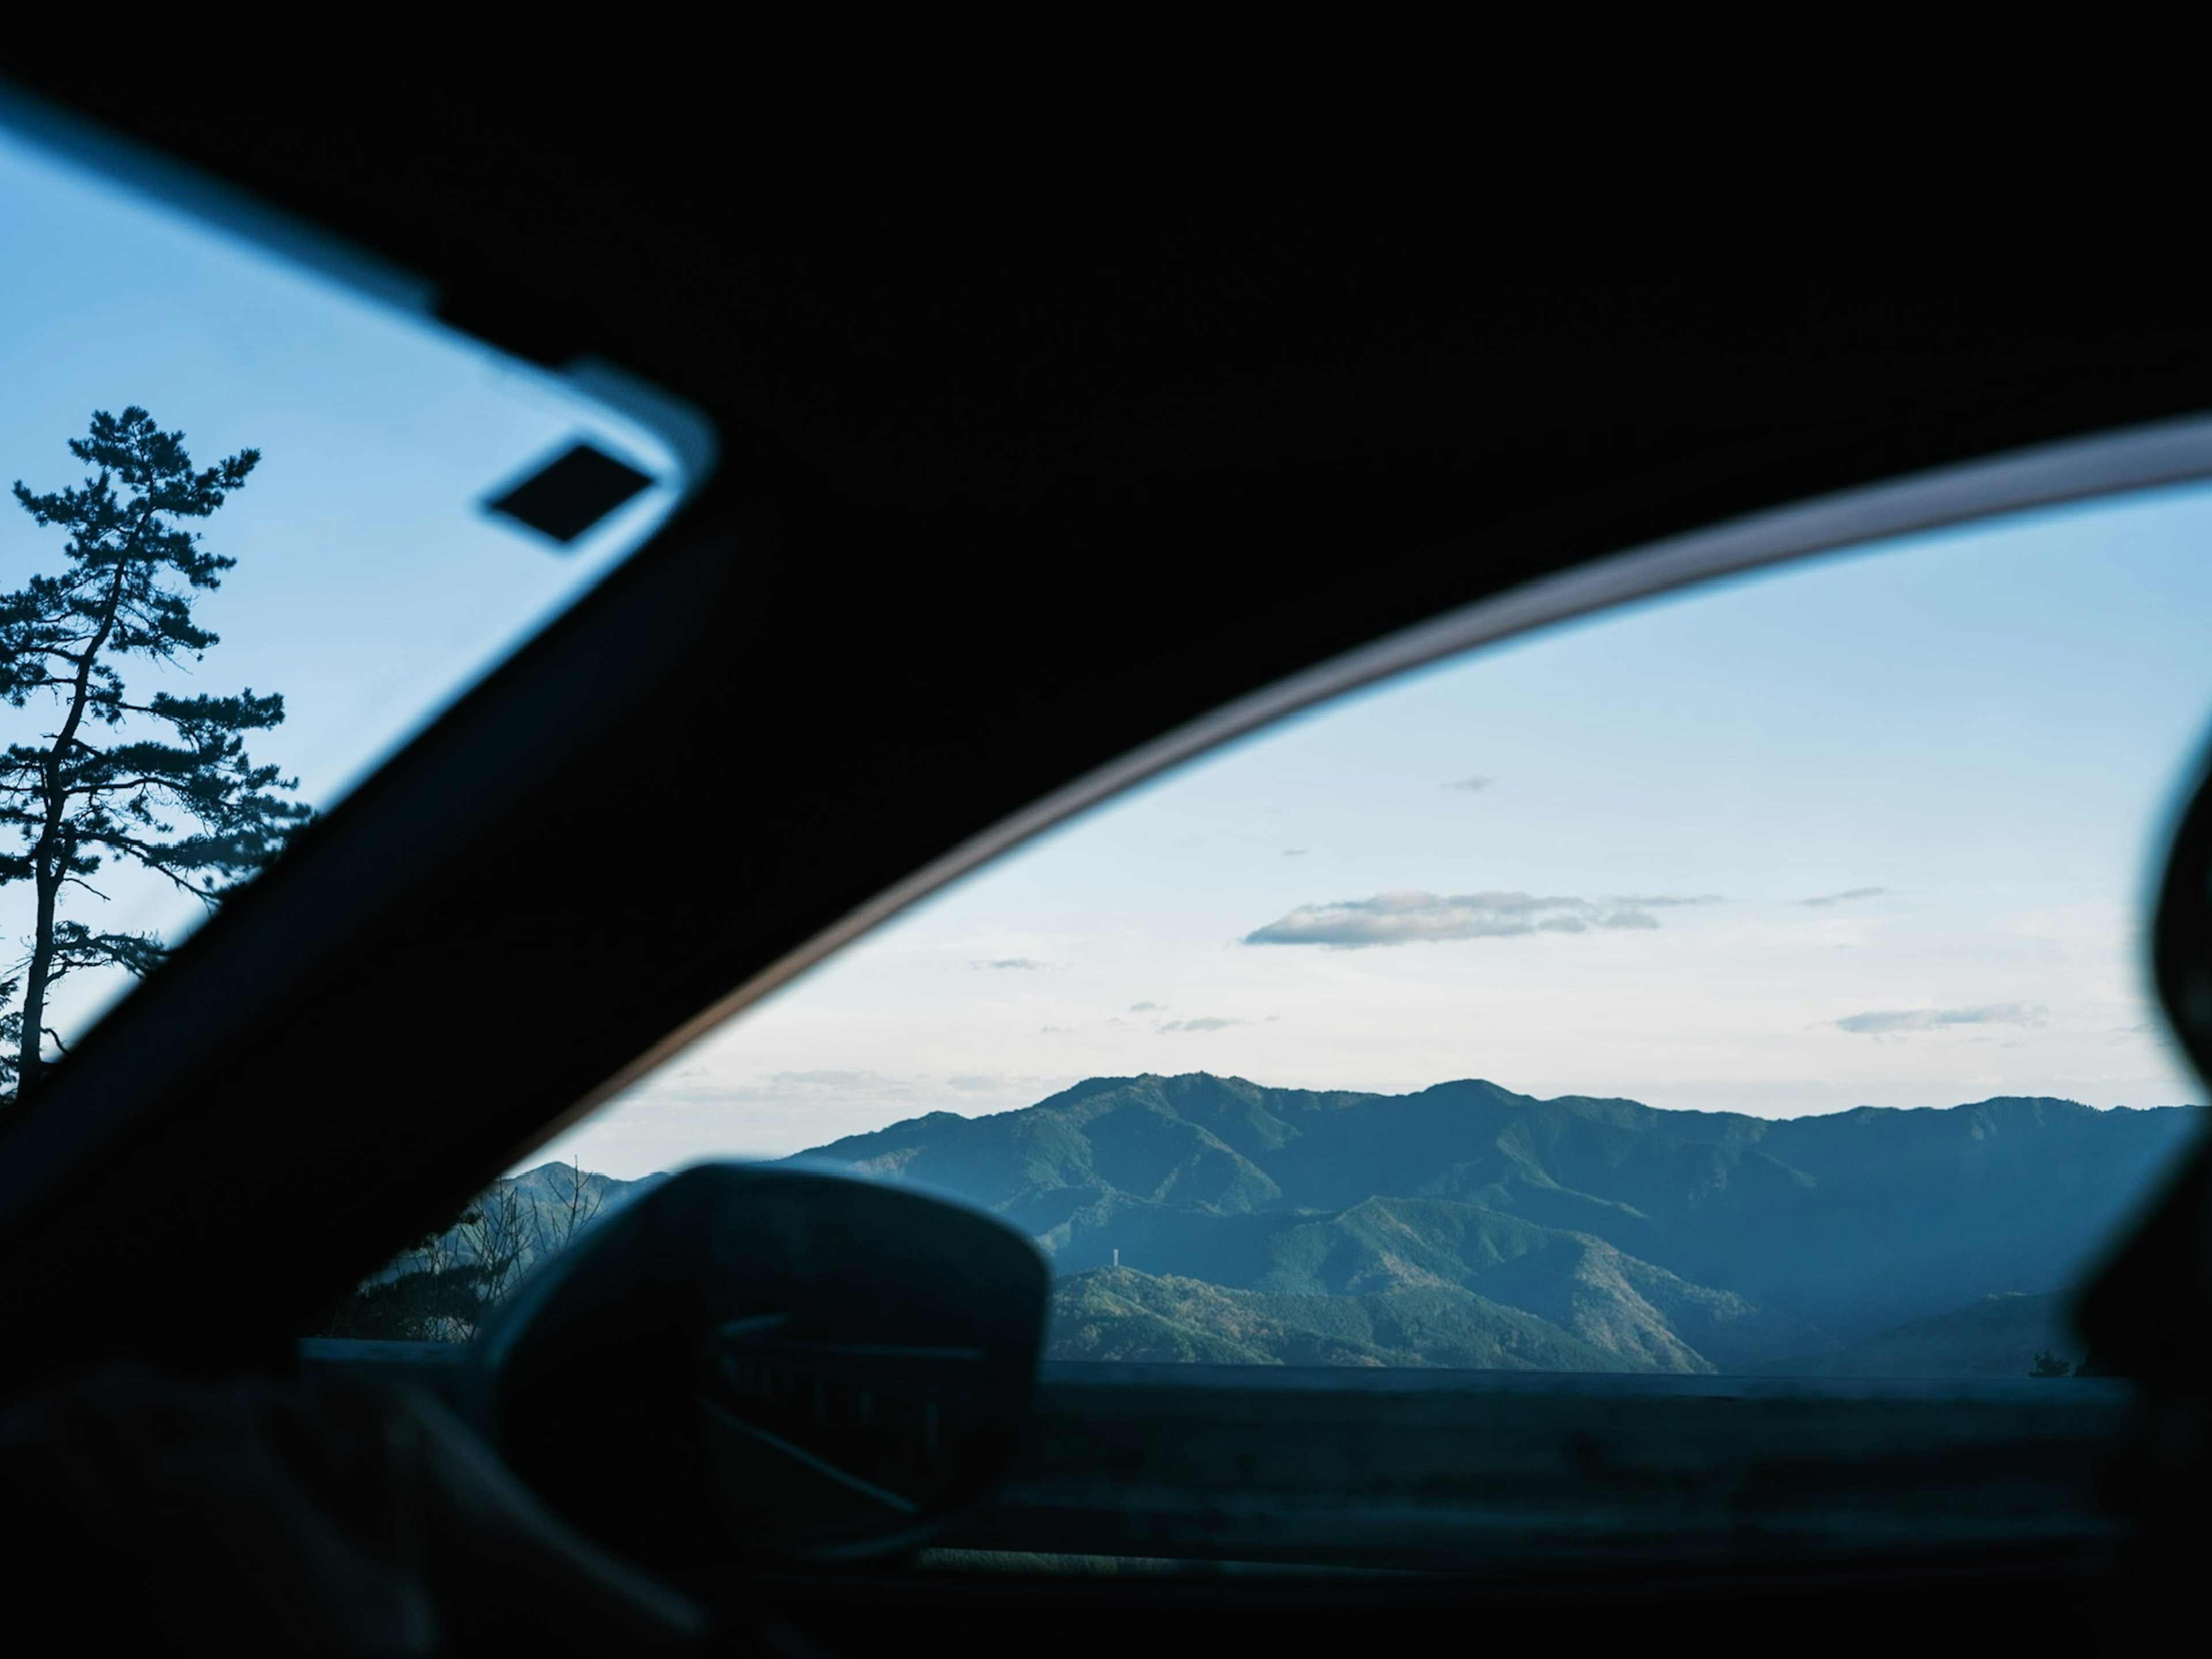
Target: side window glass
column 1748, row 981
column 269, row 519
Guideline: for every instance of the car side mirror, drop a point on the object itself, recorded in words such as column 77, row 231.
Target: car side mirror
column 2147, row 1312
column 753, row 1364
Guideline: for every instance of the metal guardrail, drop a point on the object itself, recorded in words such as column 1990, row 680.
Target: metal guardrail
column 1487, row 1472
column 1462, row 1471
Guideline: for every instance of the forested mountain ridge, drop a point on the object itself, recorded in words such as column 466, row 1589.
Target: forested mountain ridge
column 1667, row 1240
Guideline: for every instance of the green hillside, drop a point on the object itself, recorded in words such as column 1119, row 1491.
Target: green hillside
column 1665, row 1240
column 1118, row 1313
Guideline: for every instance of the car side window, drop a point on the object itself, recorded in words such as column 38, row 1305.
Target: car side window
column 1746, row 981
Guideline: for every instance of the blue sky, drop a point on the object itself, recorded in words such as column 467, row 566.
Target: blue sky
column 370, row 587
column 1871, row 829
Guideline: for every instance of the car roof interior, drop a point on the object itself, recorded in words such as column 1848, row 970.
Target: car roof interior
column 1030, row 454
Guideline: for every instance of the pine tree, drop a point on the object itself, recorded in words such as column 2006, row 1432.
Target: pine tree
column 115, row 777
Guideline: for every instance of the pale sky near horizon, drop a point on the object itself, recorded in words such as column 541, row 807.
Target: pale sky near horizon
column 1865, row 830
column 1875, row 829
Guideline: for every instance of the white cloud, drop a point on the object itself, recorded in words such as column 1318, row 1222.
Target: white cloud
column 1405, row 918
column 1894, row 1022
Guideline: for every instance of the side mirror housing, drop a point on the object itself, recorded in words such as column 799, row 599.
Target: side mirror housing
column 758, row 1364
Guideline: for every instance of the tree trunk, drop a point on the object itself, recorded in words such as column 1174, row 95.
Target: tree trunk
column 30, row 1060
column 50, row 859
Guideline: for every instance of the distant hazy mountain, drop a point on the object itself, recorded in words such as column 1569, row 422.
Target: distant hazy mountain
column 440, row 1290
column 1280, row 1221
column 559, row 1185
column 2000, row 1335
column 522, row 1217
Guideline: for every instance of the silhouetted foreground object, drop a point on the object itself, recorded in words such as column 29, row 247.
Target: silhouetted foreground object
column 754, row 1365
column 2148, row 1315
column 94, row 787
column 568, row 497
column 259, row 1517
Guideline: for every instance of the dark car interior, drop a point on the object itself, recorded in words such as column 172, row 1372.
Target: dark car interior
column 1031, row 455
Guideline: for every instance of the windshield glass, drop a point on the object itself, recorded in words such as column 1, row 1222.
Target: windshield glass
column 1749, row 980
column 269, row 518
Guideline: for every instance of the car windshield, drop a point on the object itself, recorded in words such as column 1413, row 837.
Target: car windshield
column 1750, row 980
column 271, row 519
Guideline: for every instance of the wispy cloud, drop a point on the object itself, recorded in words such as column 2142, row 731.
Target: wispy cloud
column 814, row 1090
column 1406, row 918
column 1845, row 896
column 1294, row 852
column 1470, row 784
column 1026, row 963
column 1208, row 1023
column 1897, row 1022
column 780, row 1112
column 786, row 1085
column 1143, row 1007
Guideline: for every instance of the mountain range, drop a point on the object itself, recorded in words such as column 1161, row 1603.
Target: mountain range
column 1205, row 1217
